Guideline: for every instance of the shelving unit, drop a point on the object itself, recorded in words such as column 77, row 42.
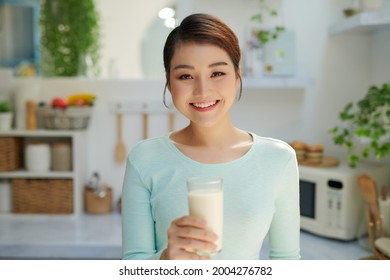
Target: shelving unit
column 79, row 163
column 363, row 22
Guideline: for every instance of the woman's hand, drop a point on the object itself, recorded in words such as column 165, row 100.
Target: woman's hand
column 187, row 234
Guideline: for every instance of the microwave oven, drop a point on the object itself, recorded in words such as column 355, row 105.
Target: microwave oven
column 331, row 204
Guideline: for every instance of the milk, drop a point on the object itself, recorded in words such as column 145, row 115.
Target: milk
column 205, row 200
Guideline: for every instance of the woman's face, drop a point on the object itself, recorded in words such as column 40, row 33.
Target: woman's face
column 203, row 83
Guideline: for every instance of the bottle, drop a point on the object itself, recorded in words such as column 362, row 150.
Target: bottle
column 31, row 115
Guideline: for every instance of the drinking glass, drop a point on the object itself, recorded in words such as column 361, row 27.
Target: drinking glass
column 205, row 200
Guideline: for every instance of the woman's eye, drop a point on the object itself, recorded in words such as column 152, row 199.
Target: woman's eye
column 217, row 74
column 185, row 77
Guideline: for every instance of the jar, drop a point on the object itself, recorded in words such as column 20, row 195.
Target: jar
column 38, row 157
column 62, row 156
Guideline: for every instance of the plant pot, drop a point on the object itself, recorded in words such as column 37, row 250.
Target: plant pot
column 6, row 121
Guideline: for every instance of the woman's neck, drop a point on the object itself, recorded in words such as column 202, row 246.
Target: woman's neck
column 216, row 144
column 219, row 135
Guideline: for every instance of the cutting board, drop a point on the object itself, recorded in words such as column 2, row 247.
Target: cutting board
column 326, row 162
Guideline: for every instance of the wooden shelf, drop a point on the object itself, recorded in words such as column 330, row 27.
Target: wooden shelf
column 363, row 22
column 41, row 133
column 40, row 175
column 275, row 83
column 78, row 173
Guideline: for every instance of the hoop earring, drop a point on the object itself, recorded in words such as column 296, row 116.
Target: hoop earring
column 164, row 93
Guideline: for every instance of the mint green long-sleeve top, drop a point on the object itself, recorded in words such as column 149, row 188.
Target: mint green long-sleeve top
column 261, row 197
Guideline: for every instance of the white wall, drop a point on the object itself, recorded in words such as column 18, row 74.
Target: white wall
column 124, row 25
column 342, row 68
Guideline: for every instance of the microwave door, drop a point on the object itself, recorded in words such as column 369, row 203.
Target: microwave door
column 307, row 197
column 315, row 207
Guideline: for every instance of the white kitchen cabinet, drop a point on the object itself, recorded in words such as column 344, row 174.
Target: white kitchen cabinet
column 79, row 162
column 364, row 22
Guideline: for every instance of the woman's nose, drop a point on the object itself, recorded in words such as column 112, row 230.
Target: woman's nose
column 201, row 87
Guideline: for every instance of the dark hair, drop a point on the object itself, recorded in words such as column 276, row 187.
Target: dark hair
column 203, row 28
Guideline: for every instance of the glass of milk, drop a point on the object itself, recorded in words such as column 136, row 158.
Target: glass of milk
column 205, row 200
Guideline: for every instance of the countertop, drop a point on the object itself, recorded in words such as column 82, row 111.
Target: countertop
column 100, row 237
column 61, row 237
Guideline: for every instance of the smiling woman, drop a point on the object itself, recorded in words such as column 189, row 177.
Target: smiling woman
column 260, row 175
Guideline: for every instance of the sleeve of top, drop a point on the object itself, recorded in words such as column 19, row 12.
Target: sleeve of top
column 138, row 238
column 285, row 227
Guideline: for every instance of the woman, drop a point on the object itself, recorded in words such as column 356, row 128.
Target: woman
column 261, row 195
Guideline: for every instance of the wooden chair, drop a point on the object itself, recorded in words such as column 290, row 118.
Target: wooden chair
column 378, row 238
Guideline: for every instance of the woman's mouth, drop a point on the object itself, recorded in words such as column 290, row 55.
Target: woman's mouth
column 205, row 106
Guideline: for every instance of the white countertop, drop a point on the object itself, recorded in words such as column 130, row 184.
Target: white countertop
column 100, row 237
column 46, row 237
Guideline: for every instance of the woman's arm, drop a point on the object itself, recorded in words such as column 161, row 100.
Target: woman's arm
column 284, row 232
column 138, row 241
column 138, row 231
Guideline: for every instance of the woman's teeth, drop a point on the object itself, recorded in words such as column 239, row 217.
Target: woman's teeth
column 204, row 105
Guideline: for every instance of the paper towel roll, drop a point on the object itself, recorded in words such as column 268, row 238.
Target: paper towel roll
column 384, row 206
column 23, row 93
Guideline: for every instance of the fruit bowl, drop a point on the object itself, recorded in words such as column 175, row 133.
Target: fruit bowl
column 68, row 118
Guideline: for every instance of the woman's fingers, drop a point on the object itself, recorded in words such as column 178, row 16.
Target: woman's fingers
column 196, row 230
column 188, row 234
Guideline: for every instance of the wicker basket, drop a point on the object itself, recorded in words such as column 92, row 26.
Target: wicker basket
column 70, row 118
column 98, row 205
column 10, row 153
column 43, row 196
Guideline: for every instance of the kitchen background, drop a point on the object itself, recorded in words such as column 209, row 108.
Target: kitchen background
column 330, row 70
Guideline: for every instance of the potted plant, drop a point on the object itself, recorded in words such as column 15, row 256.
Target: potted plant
column 262, row 30
column 69, row 38
column 367, row 122
column 265, row 34
column 5, row 116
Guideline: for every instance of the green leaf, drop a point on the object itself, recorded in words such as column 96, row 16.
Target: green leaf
column 339, row 139
column 256, row 17
column 361, row 132
column 366, row 152
column 349, row 144
column 5, row 107
column 334, row 130
column 353, row 159
column 264, row 36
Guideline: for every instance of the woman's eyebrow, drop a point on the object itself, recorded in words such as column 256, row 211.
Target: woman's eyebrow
column 215, row 64
column 183, row 66
column 220, row 63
